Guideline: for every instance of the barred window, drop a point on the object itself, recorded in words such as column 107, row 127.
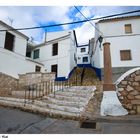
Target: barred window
column 128, row 28
column 125, row 55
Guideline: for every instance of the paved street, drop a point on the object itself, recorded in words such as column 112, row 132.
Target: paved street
column 120, row 128
column 13, row 121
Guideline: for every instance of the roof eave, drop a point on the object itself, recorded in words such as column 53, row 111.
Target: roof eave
column 14, row 30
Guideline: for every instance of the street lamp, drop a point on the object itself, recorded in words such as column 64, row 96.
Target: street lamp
column 100, row 39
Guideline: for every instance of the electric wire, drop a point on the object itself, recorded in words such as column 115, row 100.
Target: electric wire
column 88, row 20
column 68, row 23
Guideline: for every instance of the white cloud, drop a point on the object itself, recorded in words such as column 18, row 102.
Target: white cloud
column 84, row 33
column 34, row 16
column 86, row 11
column 42, row 15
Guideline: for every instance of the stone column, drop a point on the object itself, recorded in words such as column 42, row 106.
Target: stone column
column 108, row 82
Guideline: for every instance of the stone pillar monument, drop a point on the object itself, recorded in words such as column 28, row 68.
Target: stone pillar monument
column 110, row 104
column 108, row 83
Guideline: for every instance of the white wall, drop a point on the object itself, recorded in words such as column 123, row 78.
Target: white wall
column 80, row 55
column 72, row 52
column 14, row 64
column 123, row 42
column 63, row 59
column 117, row 27
column 80, row 59
column 20, row 43
column 2, row 39
column 55, row 35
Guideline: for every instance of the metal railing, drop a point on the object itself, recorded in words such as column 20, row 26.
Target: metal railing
column 39, row 90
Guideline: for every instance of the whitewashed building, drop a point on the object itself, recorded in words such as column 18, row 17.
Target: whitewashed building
column 83, row 56
column 13, row 60
column 123, row 33
column 57, row 53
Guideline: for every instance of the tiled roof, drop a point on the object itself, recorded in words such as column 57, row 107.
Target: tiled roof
column 119, row 18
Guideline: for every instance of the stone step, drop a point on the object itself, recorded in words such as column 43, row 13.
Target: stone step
column 62, row 102
column 69, row 103
column 21, row 93
column 75, row 94
column 81, row 88
column 67, row 98
column 58, row 107
column 36, row 108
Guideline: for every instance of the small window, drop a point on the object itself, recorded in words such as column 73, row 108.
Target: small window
column 85, row 59
column 125, row 55
column 28, row 54
column 9, row 41
column 37, row 68
column 55, row 49
column 54, row 69
column 36, row 54
column 128, row 28
column 83, row 49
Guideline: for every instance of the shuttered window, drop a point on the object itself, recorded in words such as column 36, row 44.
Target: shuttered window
column 128, row 28
column 9, row 41
column 36, row 54
column 55, row 49
column 125, row 55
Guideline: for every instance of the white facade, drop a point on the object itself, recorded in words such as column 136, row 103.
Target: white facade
column 114, row 32
column 82, row 55
column 20, row 41
column 65, row 58
column 14, row 62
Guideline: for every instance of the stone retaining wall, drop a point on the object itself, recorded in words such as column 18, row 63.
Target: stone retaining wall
column 7, row 84
column 129, row 92
column 34, row 78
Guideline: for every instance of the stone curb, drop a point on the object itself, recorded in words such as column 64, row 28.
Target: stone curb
column 119, row 119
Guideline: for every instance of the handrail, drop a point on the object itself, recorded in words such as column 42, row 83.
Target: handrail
column 38, row 90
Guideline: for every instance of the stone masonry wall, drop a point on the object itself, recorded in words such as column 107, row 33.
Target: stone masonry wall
column 129, row 92
column 34, row 78
column 7, row 84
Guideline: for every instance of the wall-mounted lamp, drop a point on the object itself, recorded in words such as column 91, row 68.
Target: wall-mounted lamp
column 100, row 39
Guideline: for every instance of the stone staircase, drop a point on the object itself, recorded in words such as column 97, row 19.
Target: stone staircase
column 69, row 103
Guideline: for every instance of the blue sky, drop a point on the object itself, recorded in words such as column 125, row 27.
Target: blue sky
column 28, row 16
